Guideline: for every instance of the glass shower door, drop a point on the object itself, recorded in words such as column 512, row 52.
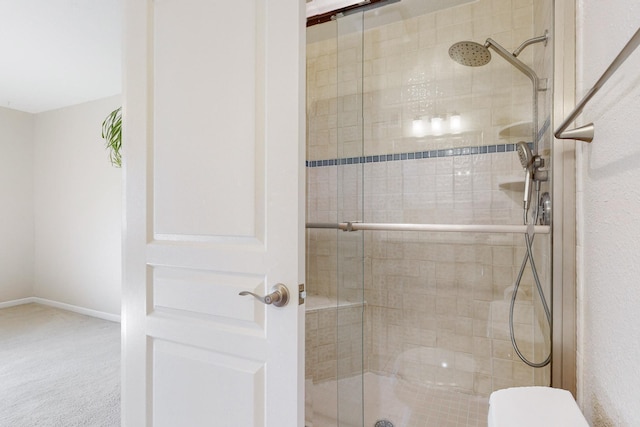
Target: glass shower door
column 350, row 319
column 415, row 325
column 335, row 336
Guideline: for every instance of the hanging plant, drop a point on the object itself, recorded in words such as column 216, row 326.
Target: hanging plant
column 112, row 134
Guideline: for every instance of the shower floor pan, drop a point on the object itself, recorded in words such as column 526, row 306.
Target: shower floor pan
column 393, row 399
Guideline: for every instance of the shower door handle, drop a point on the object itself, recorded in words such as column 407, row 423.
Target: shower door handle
column 279, row 296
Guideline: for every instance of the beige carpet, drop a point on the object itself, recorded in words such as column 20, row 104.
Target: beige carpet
column 58, row 368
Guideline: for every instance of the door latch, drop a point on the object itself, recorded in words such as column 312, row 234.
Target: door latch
column 302, row 294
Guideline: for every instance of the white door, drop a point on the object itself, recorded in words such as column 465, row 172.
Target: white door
column 214, row 177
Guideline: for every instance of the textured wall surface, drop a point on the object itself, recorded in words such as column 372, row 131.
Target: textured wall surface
column 78, row 209
column 16, row 215
column 608, row 226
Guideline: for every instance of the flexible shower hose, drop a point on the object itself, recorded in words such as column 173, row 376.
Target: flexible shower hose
column 529, row 256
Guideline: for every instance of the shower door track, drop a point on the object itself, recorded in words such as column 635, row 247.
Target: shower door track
column 454, row 228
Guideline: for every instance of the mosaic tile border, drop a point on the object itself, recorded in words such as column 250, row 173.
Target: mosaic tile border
column 428, row 154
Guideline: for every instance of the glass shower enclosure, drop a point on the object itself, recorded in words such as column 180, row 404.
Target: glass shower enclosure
column 415, row 236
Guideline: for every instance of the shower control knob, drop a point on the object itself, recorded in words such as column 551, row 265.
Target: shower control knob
column 279, row 296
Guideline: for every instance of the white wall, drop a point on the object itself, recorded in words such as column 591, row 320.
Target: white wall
column 78, row 209
column 16, row 197
column 608, row 219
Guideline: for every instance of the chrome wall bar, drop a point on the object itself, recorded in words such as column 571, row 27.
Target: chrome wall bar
column 454, row 228
column 586, row 132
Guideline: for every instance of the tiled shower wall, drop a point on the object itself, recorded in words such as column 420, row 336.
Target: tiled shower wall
column 436, row 303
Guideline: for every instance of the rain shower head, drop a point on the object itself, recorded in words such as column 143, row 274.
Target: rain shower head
column 474, row 54
column 471, row 54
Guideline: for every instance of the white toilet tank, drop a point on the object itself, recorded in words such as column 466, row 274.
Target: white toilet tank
column 534, row 407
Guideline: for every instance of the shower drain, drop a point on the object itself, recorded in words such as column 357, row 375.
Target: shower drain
column 383, row 423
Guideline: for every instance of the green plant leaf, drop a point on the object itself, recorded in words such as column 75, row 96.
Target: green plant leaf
column 112, row 134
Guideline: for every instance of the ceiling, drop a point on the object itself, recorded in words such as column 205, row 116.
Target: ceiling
column 56, row 53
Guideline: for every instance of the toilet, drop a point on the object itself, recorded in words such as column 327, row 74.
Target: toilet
column 534, row 407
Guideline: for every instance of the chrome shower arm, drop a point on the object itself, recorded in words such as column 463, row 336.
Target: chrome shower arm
column 526, row 43
column 526, row 70
column 509, row 57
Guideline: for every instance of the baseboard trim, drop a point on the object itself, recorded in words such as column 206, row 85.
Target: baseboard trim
column 63, row 306
column 15, row 302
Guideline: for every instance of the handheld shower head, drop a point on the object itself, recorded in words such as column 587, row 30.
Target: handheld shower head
column 527, row 162
column 471, row 54
column 525, row 154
